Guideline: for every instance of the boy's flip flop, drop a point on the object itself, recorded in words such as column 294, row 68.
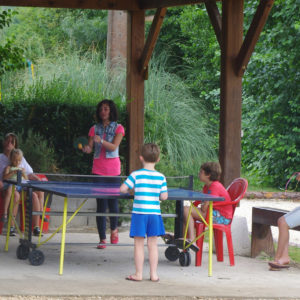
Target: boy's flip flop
column 131, row 278
column 278, row 266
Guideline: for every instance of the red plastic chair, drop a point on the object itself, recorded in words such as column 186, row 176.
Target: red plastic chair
column 236, row 190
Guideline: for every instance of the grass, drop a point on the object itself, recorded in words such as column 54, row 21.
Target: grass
column 294, row 253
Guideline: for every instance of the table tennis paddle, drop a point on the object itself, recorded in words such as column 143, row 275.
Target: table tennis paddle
column 80, row 142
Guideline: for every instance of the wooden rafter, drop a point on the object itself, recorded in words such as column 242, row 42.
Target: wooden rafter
column 215, row 18
column 83, row 4
column 151, row 40
column 256, row 26
column 151, row 4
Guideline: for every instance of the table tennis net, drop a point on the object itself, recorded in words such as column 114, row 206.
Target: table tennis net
column 184, row 182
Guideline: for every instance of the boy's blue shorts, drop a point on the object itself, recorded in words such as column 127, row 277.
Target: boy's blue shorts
column 143, row 224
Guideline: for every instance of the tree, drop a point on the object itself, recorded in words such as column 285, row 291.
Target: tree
column 11, row 56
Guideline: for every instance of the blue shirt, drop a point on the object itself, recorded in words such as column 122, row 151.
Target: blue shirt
column 148, row 185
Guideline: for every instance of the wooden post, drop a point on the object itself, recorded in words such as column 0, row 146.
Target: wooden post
column 231, row 91
column 116, row 39
column 135, row 88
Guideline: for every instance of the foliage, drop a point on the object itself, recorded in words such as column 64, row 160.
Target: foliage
column 271, row 120
column 175, row 121
column 38, row 152
column 187, row 52
column 11, row 56
column 51, row 32
column 61, row 107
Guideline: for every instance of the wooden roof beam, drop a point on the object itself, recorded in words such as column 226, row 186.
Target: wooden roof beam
column 151, row 40
column 215, row 18
column 254, row 31
column 81, row 4
column 152, row 4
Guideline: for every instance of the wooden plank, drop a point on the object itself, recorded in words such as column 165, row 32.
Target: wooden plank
column 215, row 19
column 231, row 91
column 258, row 22
column 269, row 216
column 262, row 240
column 151, row 4
column 135, row 88
column 262, row 220
column 83, row 4
column 152, row 38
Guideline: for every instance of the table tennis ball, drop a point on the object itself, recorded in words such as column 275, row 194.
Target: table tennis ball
column 80, row 146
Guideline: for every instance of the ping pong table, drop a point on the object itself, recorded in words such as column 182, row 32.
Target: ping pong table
column 88, row 190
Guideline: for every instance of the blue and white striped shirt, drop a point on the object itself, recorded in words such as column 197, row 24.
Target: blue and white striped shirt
column 148, row 185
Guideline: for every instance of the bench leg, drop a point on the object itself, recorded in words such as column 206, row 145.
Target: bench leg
column 262, row 240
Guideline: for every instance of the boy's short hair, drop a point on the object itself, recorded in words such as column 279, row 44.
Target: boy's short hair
column 150, row 152
column 15, row 152
column 213, row 169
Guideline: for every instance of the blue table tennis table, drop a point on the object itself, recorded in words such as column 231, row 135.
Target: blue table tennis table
column 87, row 190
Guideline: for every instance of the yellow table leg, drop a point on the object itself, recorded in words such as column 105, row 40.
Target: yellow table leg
column 210, row 241
column 10, row 214
column 63, row 237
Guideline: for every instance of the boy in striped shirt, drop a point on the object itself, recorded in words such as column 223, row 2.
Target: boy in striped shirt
column 150, row 187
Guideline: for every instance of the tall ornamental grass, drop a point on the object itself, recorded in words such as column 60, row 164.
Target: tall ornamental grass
column 174, row 119
column 177, row 121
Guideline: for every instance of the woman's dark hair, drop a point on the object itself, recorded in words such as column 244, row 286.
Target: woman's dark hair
column 113, row 113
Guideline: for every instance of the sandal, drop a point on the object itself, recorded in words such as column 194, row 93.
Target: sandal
column 114, row 237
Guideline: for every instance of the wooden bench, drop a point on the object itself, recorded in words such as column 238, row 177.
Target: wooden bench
column 262, row 220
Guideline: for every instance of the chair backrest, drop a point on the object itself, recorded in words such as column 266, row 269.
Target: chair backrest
column 237, row 190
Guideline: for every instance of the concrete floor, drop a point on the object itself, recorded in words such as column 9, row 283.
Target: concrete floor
column 90, row 273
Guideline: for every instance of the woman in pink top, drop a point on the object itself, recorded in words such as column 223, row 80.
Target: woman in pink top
column 104, row 139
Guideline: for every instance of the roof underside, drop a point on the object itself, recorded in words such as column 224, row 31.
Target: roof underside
column 100, row 4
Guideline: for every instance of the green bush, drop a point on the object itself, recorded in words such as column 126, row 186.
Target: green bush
column 38, row 152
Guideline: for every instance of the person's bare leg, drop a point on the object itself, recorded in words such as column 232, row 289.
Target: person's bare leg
column 153, row 257
column 36, row 207
column 194, row 216
column 40, row 196
column 138, row 259
column 282, row 253
column 190, row 231
column 6, row 199
column 16, row 206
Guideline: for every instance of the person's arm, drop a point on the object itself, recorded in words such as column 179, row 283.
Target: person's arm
column 124, row 189
column 24, row 164
column 110, row 146
column 89, row 147
column 204, row 207
column 163, row 196
column 7, row 173
column 24, row 174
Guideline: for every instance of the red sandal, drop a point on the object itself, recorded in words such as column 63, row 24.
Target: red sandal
column 114, row 237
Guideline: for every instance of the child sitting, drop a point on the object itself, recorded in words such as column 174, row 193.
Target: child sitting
column 10, row 172
column 209, row 174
